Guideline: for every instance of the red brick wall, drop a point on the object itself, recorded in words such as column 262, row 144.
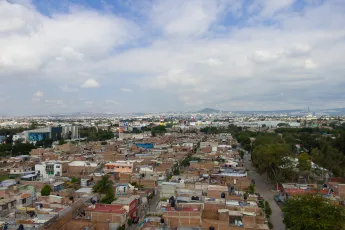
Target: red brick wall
column 105, row 217
column 341, row 190
column 216, row 194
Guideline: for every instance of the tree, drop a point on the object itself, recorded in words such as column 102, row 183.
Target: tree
column 268, row 210
column 45, row 190
column 312, row 211
column 19, row 141
column 272, row 159
column 304, row 164
column 108, row 198
column 136, row 185
column 62, row 141
column 75, row 180
column 105, row 187
column 251, row 189
column 176, row 172
column 283, row 125
column 241, row 153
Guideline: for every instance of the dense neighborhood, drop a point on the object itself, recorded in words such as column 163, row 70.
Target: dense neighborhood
column 171, row 174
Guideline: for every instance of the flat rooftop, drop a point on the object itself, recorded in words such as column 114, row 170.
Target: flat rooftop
column 113, row 208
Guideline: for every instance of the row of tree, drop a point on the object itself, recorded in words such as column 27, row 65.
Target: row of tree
column 17, row 149
column 94, row 134
column 312, row 211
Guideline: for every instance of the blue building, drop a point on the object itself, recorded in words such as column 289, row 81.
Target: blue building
column 145, row 145
column 38, row 136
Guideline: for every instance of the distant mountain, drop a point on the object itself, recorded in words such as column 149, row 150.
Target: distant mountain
column 270, row 111
column 208, row 110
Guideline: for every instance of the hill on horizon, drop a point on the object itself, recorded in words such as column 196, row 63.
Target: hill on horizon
column 208, row 110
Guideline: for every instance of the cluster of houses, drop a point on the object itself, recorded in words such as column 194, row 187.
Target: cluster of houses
column 175, row 181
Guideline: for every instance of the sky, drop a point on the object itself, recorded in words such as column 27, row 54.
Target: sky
column 66, row 56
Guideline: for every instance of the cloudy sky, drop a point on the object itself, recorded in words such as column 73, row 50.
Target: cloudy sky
column 152, row 55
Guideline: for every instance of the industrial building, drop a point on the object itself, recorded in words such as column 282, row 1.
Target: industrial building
column 50, row 132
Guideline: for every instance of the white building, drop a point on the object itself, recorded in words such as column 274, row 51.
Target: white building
column 49, row 169
column 19, row 136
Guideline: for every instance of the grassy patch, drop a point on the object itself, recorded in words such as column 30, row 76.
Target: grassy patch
column 3, row 177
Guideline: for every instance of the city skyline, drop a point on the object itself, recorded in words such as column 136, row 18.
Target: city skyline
column 150, row 56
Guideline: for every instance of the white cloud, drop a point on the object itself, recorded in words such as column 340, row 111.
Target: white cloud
column 188, row 52
column 111, row 102
column 90, row 83
column 69, row 53
column 309, row 64
column 184, row 18
column 33, row 42
column 66, row 88
column 126, row 90
column 88, row 102
column 54, row 102
column 38, row 93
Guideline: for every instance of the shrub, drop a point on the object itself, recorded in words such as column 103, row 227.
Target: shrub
column 45, row 190
column 129, row 222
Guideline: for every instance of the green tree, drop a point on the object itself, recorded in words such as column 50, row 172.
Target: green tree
column 176, row 172
column 45, row 191
column 304, row 163
column 62, row 141
column 108, row 198
column 268, row 210
column 312, row 211
column 272, row 159
column 241, row 153
column 283, row 125
column 104, row 185
column 251, row 189
column 75, row 180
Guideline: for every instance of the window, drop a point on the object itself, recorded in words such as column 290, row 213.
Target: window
column 123, row 167
column 130, row 167
column 57, row 166
column 24, row 201
column 117, row 166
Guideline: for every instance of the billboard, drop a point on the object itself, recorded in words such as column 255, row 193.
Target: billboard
column 38, row 136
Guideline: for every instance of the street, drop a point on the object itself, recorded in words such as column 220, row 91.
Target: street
column 152, row 207
column 264, row 188
column 154, row 202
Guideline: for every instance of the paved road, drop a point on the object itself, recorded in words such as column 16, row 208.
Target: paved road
column 154, row 202
column 264, row 188
column 152, row 207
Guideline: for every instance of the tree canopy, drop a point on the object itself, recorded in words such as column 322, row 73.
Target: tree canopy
column 46, row 190
column 312, row 211
column 105, row 187
column 92, row 134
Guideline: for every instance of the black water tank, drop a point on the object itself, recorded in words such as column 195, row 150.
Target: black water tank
column 222, row 195
column 173, row 204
